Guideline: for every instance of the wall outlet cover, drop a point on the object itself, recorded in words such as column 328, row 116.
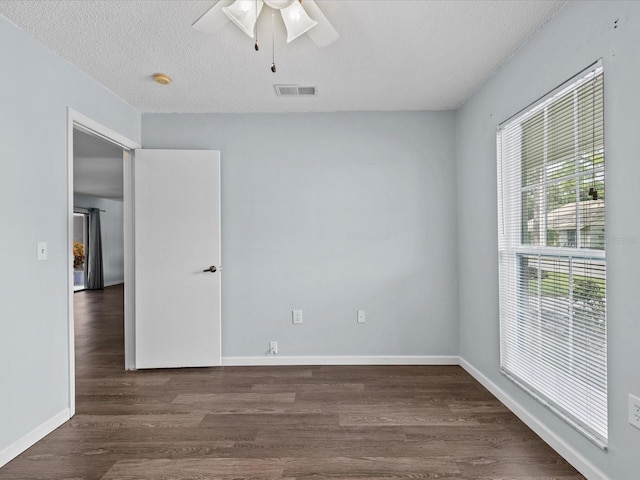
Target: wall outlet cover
column 296, row 316
column 362, row 317
column 273, row 348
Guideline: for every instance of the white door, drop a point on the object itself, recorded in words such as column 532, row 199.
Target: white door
column 177, row 238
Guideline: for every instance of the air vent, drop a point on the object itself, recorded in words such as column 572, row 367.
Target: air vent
column 295, row 91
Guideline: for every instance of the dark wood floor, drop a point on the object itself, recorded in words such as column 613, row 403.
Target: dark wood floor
column 275, row 422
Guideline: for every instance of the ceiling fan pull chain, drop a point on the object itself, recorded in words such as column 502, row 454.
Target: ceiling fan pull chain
column 273, row 41
column 255, row 26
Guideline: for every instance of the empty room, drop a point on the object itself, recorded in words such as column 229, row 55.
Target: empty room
column 356, row 239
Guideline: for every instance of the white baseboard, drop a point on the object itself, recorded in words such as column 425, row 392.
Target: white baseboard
column 565, row 450
column 112, row 284
column 342, row 360
column 38, row 433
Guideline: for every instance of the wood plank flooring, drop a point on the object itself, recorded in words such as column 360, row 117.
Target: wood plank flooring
column 352, row 422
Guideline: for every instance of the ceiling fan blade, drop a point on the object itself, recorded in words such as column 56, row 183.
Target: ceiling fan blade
column 213, row 19
column 322, row 34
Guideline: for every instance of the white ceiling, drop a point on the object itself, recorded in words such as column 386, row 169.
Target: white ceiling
column 391, row 54
column 97, row 167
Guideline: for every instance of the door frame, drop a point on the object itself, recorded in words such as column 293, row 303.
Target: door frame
column 76, row 120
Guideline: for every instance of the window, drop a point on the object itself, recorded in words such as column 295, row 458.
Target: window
column 551, row 216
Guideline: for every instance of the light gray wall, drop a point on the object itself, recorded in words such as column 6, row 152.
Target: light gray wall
column 36, row 87
column 580, row 34
column 112, row 226
column 330, row 213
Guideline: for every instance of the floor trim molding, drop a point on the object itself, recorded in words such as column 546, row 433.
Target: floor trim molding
column 38, row 433
column 342, row 360
column 565, row 450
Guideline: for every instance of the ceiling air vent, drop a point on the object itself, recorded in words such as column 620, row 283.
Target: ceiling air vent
column 295, row 91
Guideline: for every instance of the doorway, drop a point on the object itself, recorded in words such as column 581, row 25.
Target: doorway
column 82, row 127
column 197, row 185
column 98, row 243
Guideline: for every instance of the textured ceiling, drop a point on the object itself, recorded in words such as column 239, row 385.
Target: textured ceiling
column 97, row 167
column 391, row 55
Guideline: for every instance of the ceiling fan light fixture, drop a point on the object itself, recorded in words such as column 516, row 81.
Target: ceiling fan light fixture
column 244, row 14
column 278, row 4
column 296, row 20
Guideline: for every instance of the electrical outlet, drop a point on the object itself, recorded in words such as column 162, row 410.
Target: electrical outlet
column 273, row 348
column 634, row 411
column 361, row 316
column 297, row 316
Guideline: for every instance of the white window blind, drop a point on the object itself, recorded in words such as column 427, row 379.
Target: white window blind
column 551, row 217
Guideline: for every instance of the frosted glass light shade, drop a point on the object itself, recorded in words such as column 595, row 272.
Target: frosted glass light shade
column 278, row 4
column 296, row 20
column 243, row 14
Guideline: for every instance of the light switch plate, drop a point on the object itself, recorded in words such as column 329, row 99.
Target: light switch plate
column 634, row 411
column 42, row 251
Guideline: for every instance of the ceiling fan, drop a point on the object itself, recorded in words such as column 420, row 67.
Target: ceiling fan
column 299, row 17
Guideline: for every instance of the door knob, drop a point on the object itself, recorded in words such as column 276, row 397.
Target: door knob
column 211, row 269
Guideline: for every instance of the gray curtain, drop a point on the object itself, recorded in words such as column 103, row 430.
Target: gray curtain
column 95, row 276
